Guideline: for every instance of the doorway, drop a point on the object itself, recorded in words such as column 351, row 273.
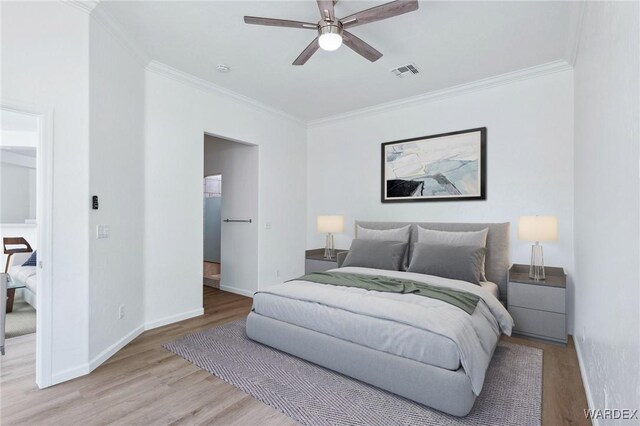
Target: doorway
column 212, row 219
column 231, row 168
column 26, row 175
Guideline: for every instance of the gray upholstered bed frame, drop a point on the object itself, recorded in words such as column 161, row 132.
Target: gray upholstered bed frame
column 445, row 390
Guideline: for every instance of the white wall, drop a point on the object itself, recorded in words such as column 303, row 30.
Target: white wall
column 116, row 175
column 16, row 193
column 95, row 88
column 529, row 162
column 607, row 212
column 177, row 116
column 45, row 61
column 238, row 164
column 50, row 68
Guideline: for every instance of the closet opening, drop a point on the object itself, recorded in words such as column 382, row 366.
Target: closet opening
column 230, row 216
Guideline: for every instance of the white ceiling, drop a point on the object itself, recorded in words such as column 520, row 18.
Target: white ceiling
column 451, row 43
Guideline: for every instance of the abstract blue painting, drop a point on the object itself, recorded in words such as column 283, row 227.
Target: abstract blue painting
column 444, row 167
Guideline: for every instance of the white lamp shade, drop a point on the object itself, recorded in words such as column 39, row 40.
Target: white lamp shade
column 538, row 228
column 330, row 224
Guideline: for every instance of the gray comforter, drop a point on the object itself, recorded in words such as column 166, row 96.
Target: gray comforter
column 475, row 336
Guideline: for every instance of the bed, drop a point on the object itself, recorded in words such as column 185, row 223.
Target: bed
column 420, row 348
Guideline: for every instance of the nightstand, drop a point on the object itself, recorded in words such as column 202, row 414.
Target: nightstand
column 315, row 261
column 538, row 308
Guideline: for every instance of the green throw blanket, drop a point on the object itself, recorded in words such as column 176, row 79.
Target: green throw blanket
column 463, row 300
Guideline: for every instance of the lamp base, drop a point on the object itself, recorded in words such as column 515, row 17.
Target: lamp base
column 329, row 251
column 536, row 269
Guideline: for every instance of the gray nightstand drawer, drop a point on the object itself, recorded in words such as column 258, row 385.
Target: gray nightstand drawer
column 539, row 297
column 312, row 265
column 539, row 323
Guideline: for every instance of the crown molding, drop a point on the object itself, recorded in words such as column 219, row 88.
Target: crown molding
column 85, row 6
column 500, row 80
column 201, row 84
column 101, row 17
column 462, row 89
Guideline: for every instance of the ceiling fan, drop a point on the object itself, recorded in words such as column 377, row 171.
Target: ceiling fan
column 332, row 32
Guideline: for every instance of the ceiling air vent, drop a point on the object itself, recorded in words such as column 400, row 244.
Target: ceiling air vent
column 405, row 70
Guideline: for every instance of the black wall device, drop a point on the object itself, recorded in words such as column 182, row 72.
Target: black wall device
column 94, row 202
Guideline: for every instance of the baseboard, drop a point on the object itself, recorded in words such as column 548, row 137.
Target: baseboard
column 111, row 350
column 85, row 369
column 585, row 381
column 173, row 318
column 69, row 374
column 236, row 290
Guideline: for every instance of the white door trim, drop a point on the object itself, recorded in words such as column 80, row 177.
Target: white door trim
column 44, row 214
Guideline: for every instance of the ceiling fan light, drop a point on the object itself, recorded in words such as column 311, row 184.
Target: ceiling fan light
column 330, row 41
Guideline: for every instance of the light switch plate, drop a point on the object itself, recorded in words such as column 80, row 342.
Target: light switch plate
column 102, row 231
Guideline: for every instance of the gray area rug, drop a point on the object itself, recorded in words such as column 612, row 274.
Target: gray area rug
column 313, row 395
column 21, row 321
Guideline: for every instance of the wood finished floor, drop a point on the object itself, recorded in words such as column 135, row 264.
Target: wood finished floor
column 145, row 384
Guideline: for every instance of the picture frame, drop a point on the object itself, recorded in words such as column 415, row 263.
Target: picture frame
column 443, row 167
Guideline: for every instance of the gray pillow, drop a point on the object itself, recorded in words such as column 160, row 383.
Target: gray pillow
column 458, row 238
column 447, row 261
column 387, row 255
column 453, row 238
column 398, row 234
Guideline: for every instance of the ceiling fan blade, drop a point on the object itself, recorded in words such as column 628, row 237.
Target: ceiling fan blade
column 326, row 9
column 378, row 13
column 360, row 47
column 279, row 23
column 307, row 52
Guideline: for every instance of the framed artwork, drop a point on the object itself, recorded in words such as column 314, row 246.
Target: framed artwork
column 445, row 167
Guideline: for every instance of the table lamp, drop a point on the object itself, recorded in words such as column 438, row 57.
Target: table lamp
column 330, row 225
column 536, row 229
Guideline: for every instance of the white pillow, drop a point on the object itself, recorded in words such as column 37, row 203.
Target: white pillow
column 463, row 238
column 398, row 234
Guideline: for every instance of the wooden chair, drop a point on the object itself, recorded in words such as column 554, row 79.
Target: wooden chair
column 12, row 245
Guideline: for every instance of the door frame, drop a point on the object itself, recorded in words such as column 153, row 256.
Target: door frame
column 44, row 215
